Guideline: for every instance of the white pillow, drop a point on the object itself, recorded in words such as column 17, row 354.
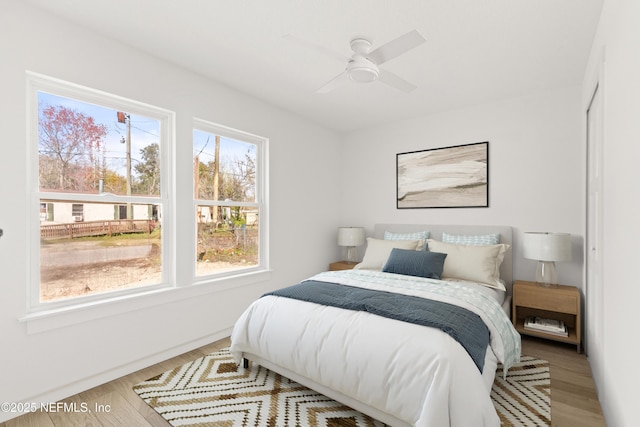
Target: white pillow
column 378, row 251
column 475, row 263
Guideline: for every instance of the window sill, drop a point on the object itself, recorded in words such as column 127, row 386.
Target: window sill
column 42, row 321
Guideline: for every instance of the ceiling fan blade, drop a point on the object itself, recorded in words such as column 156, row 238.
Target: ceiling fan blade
column 334, row 83
column 396, row 47
column 321, row 49
column 393, row 80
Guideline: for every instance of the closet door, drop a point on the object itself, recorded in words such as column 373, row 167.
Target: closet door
column 594, row 336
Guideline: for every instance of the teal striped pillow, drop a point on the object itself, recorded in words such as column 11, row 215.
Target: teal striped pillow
column 418, row 235
column 472, row 240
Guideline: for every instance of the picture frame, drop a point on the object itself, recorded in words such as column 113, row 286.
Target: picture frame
column 448, row 177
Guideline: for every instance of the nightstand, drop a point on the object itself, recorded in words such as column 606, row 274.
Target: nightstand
column 341, row 265
column 561, row 303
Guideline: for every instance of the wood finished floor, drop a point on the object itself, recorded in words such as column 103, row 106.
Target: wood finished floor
column 573, row 397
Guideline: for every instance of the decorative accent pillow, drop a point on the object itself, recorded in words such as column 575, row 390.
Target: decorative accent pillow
column 475, row 263
column 473, row 240
column 418, row 235
column 378, row 251
column 415, row 263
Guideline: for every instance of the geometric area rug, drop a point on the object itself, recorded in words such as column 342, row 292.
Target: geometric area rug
column 524, row 398
column 214, row 391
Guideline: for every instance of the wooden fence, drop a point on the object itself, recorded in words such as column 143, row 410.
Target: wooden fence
column 96, row 228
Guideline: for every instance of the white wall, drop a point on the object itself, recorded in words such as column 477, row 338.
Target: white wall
column 535, row 170
column 53, row 364
column 614, row 366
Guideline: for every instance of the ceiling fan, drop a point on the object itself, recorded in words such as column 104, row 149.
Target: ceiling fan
column 363, row 65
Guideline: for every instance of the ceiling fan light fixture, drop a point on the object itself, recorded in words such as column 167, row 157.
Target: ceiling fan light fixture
column 362, row 70
column 363, row 75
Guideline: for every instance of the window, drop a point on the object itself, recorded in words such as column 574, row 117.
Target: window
column 228, row 200
column 103, row 201
column 77, row 212
column 100, row 191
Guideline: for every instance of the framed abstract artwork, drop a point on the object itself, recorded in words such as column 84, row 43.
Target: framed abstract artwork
column 449, row 177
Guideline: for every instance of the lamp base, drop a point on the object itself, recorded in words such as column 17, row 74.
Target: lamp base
column 352, row 254
column 546, row 274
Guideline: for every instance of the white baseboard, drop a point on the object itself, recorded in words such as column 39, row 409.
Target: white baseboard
column 79, row 386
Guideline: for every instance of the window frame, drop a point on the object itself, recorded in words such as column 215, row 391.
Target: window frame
column 260, row 202
column 41, row 83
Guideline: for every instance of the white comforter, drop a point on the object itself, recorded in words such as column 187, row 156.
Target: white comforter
column 417, row 374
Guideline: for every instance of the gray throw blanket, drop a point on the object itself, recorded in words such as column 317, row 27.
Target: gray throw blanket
column 461, row 324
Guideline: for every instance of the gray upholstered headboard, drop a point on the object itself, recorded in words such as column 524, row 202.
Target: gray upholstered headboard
column 435, row 232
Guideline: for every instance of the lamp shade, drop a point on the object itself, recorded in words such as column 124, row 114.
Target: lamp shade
column 542, row 246
column 350, row 236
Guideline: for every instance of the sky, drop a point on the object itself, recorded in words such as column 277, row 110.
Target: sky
column 204, row 147
column 144, row 130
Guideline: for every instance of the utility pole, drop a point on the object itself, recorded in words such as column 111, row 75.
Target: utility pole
column 216, row 179
column 196, row 185
column 129, row 207
column 126, row 118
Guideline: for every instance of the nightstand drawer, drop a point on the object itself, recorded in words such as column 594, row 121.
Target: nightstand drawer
column 548, row 300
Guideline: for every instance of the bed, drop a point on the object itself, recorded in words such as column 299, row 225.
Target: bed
column 390, row 360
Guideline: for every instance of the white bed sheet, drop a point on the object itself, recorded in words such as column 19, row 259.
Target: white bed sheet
column 412, row 375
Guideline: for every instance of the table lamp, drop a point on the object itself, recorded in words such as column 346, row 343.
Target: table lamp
column 351, row 237
column 547, row 248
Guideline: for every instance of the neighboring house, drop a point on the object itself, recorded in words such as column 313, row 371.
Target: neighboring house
column 206, row 215
column 58, row 212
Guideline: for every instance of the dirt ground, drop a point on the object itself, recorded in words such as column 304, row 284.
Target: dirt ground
column 65, row 281
column 62, row 282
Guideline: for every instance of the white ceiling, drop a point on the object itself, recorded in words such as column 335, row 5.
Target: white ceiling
column 476, row 50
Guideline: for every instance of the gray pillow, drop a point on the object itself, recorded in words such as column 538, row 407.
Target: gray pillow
column 415, row 263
